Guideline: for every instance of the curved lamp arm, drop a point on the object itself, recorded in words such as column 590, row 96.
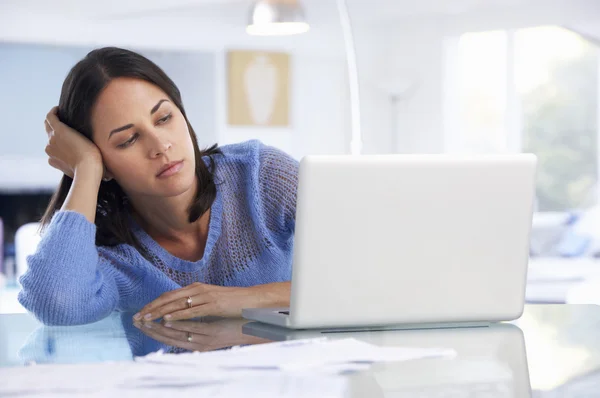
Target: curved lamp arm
column 356, row 142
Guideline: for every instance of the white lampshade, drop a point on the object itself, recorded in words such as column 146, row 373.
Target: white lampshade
column 276, row 18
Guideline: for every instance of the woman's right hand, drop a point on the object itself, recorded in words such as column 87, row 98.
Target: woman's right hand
column 68, row 150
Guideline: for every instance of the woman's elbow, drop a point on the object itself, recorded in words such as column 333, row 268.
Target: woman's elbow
column 65, row 308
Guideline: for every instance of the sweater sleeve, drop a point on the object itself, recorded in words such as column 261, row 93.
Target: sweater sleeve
column 278, row 180
column 67, row 282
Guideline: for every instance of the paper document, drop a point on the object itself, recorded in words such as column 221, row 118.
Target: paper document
column 298, row 368
column 130, row 379
column 298, row 354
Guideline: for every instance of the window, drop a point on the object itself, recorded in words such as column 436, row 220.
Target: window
column 534, row 90
column 482, row 66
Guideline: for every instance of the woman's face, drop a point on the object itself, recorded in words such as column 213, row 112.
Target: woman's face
column 139, row 132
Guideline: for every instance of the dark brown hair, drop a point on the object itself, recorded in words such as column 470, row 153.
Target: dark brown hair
column 80, row 91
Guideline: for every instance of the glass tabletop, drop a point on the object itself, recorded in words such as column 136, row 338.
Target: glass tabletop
column 550, row 350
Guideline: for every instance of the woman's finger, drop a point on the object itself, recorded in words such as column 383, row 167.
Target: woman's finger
column 52, row 162
column 212, row 336
column 174, row 296
column 197, row 327
column 176, row 305
column 178, row 334
column 194, row 312
column 167, row 308
column 186, row 341
column 57, row 164
column 215, row 327
column 53, row 112
column 48, row 128
column 149, row 330
column 52, row 118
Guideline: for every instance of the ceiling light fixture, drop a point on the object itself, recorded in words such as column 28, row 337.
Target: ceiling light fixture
column 277, row 18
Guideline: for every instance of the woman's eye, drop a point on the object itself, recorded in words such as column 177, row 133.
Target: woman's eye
column 164, row 119
column 129, row 141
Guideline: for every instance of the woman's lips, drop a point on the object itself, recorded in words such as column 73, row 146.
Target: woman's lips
column 170, row 169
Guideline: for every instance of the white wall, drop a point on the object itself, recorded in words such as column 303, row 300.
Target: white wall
column 318, row 106
column 30, row 82
column 416, row 58
column 376, row 90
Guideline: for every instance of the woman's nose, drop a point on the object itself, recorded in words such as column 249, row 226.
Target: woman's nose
column 159, row 145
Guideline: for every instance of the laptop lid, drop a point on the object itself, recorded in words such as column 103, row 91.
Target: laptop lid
column 386, row 239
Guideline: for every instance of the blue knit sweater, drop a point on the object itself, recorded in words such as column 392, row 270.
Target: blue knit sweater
column 71, row 281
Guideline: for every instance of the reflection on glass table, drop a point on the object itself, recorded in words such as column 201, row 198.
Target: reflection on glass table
column 118, row 338
column 554, row 349
column 189, row 336
column 491, row 360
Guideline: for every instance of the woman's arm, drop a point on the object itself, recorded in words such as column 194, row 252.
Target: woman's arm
column 79, row 158
column 67, row 282
column 83, row 195
column 272, row 294
column 278, row 182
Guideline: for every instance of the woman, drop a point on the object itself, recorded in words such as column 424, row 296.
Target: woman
column 144, row 219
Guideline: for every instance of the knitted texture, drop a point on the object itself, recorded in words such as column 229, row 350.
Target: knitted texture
column 250, row 240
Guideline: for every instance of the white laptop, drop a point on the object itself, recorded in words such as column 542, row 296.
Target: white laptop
column 409, row 241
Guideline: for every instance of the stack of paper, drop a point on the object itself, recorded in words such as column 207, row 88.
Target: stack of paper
column 299, row 368
column 309, row 354
column 130, row 379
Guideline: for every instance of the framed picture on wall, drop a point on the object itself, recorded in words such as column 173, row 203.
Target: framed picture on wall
column 258, row 86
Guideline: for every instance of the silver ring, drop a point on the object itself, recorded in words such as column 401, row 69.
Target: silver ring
column 189, row 302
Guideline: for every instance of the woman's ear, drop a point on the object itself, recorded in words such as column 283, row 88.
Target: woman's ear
column 107, row 176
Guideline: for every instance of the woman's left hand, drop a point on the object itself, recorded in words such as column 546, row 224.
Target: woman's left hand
column 213, row 300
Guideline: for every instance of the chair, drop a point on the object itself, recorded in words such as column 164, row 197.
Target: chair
column 27, row 239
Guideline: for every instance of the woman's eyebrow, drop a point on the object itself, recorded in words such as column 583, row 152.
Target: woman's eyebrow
column 155, row 108
column 130, row 125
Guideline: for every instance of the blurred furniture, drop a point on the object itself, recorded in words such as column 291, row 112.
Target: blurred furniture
column 2, row 270
column 546, row 232
column 27, row 239
column 9, row 304
column 551, row 279
column 563, row 255
column 586, row 292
